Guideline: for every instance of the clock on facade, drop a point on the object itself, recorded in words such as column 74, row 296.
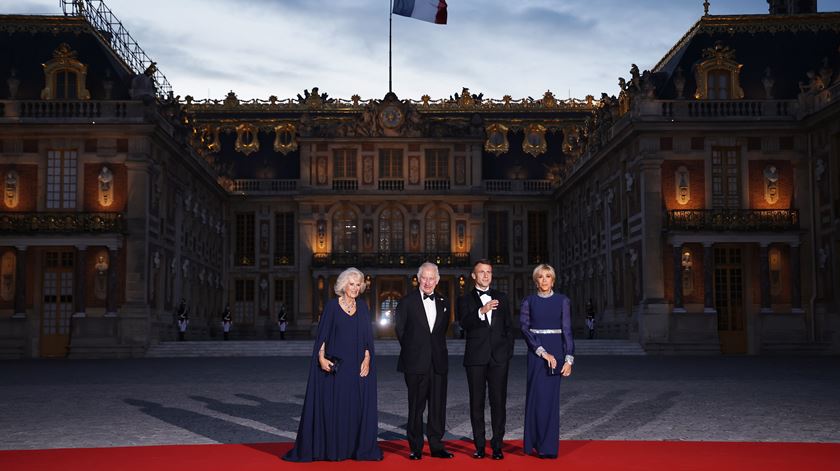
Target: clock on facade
column 391, row 117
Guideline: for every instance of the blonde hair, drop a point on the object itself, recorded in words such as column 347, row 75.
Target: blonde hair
column 543, row 267
column 344, row 278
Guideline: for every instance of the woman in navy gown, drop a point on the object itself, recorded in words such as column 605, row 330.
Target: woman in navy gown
column 547, row 327
column 339, row 418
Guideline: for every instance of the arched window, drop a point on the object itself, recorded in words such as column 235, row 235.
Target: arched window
column 345, row 231
column 65, row 76
column 391, row 230
column 718, row 76
column 437, row 231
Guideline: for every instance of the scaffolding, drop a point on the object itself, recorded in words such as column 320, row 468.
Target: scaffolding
column 112, row 31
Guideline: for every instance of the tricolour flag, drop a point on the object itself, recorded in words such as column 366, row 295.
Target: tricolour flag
column 433, row 11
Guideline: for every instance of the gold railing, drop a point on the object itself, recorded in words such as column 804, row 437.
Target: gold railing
column 70, row 222
column 739, row 220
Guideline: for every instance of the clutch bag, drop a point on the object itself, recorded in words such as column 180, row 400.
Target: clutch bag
column 336, row 361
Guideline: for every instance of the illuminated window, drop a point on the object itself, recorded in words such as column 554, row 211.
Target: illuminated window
column 345, row 231
column 391, row 230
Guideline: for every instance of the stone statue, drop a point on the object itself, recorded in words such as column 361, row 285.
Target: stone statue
column 768, row 81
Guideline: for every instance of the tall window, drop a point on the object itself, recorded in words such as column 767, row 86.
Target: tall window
column 61, row 179
column 390, row 163
column 345, row 231
column 726, row 178
column 391, row 230
column 66, row 84
column 245, row 245
column 284, row 238
column 243, row 308
column 437, row 163
column 497, row 236
column 537, row 237
column 344, row 163
column 718, row 84
column 437, row 231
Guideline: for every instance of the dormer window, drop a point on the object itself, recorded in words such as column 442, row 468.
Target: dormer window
column 64, row 76
column 718, row 75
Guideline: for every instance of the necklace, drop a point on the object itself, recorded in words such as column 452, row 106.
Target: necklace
column 347, row 306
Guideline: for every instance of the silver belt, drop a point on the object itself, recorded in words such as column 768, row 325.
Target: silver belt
column 546, row 331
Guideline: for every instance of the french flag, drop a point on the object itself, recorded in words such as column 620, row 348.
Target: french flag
column 433, row 11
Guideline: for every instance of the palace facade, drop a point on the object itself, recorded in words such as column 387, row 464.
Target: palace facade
column 697, row 208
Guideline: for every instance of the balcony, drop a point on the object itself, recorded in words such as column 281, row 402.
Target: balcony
column 263, row 187
column 530, row 187
column 737, row 110
column 734, row 220
column 389, row 260
column 392, row 184
column 436, row 184
column 70, row 110
column 345, row 184
column 62, row 223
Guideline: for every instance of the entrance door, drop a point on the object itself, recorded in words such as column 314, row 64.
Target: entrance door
column 57, row 304
column 729, row 300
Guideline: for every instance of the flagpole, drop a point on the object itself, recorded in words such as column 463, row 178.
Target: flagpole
column 390, row 22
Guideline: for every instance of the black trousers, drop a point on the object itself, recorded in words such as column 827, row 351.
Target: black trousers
column 422, row 389
column 481, row 380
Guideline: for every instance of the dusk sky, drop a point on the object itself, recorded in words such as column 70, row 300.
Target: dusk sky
column 259, row 48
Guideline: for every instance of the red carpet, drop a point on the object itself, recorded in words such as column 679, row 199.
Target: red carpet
column 574, row 456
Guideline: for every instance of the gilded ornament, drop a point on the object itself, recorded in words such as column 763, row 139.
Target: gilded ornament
column 719, row 57
column 534, row 142
column 247, row 140
column 285, row 140
column 64, row 60
column 497, row 141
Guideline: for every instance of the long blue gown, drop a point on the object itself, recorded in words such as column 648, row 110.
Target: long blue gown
column 339, row 419
column 542, row 395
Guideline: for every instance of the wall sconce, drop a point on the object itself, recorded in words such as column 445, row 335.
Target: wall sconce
column 320, row 283
column 683, row 189
column 414, row 281
column 461, row 234
column 321, row 228
column 461, row 283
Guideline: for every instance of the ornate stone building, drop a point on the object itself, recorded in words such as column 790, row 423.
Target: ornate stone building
column 698, row 208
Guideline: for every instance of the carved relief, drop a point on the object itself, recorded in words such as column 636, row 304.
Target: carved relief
column 100, row 282
column 414, row 170
column 106, row 187
column 460, row 170
column 247, row 140
column 321, row 170
column 461, row 234
column 771, row 184
column 11, row 189
column 681, row 180
column 367, row 170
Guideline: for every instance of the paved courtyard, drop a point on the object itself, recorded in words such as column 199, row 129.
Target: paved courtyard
column 100, row 403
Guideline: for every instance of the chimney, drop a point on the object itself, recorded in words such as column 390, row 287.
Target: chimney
column 792, row 7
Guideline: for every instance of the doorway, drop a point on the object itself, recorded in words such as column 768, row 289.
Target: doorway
column 57, row 306
column 729, row 300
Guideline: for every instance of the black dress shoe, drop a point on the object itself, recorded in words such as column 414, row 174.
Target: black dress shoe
column 478, row 455
column 498, row 455
column 415, row 456
column 442, row 454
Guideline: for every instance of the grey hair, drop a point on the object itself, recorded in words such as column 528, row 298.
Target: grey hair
column 428, row 265
column 344, row 278
column 541, row 268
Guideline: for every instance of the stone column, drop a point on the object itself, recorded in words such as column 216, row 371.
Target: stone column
column 654, row 310
column 764, row 264
column 795, row 279
column 708, row 278
column 678, row 292
column 20, row 282
column 111, row 292
column 81, row 278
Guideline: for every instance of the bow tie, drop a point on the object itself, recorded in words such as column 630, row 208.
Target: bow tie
column 482, row 292
column 429, row 296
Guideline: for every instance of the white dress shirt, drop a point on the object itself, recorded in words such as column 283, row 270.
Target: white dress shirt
column 485, row 298
column 431, row 310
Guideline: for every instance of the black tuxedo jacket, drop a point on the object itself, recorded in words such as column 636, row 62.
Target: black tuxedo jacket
column 486, row 343
column 420, row 350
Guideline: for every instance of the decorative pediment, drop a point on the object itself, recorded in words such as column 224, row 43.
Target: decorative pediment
column 65, row 76
column 718, row 58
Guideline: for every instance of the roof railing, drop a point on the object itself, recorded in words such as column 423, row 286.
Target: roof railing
column 112, row 31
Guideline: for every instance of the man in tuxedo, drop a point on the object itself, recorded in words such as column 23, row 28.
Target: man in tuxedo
column 485, row 315
column 422, row 319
